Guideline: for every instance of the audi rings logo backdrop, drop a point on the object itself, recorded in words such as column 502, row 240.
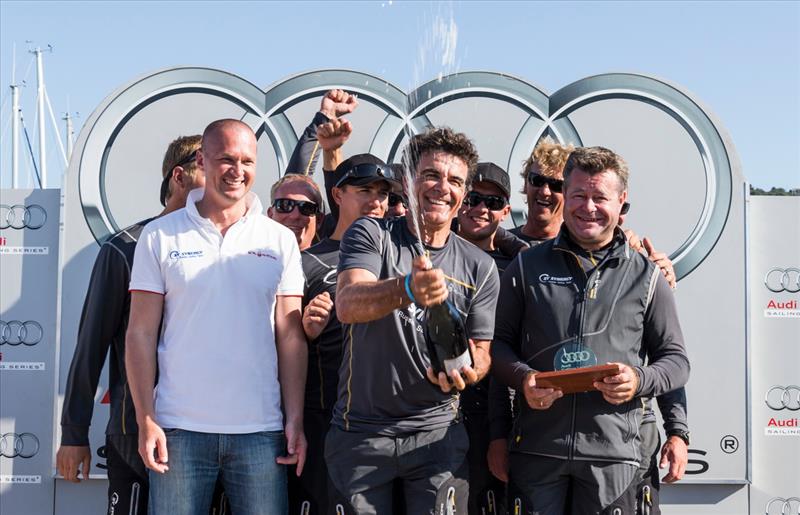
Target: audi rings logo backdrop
column 687, row 193
column 679, row 155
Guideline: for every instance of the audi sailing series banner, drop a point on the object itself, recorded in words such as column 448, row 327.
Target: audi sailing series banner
column 29, row 275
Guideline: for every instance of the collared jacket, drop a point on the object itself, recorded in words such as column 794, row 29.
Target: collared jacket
column 622, row 311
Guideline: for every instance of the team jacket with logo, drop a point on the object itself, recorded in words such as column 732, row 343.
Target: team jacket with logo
column 622, row 311
column 104, row 320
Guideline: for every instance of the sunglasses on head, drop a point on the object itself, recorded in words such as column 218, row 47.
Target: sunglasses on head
column 365, row 170
column 165, row 182
column 287, row 205
column 395, row 199
column 492, row 202
column 538, row 180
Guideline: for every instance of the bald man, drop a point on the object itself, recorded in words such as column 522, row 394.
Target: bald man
column 228, row 282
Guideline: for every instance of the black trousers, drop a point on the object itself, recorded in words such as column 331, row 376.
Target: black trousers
column 431, row 465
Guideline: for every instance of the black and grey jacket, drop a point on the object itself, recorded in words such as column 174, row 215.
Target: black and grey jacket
column 622, row 310
column 104, row 321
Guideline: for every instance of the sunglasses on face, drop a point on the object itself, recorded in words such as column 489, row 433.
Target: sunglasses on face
column 492, row 202
column 287, row 205
column 538, row 180
column 395, row 199
column 165, row 182
column 365, row 170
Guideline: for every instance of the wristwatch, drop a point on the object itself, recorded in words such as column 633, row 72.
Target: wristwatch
column 680, row 433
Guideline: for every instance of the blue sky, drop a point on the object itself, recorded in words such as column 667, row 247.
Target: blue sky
column 741, row 59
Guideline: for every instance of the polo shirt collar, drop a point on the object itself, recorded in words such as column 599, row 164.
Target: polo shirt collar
column 252, row 203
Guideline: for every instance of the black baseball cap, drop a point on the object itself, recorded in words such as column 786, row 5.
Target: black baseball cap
column 490, row 172
column 362, row 169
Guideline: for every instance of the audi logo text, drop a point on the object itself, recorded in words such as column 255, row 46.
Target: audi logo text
column 22, row 217
column 576, row 357
column 19, row 445
column 783, row 279
column 783, row 397
column 15, row 332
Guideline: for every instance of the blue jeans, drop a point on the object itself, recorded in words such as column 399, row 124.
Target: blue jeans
column 253, row 482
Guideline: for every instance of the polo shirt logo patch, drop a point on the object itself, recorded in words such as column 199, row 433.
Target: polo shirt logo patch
column 552, row 279
column 176, row 254
column 262, row 253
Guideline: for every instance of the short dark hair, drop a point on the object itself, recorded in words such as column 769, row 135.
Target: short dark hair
column 595, row 160
column 443, row 139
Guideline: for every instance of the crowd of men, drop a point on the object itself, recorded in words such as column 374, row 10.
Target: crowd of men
column 273, row 361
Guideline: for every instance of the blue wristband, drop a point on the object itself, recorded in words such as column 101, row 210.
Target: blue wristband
column 408, row 289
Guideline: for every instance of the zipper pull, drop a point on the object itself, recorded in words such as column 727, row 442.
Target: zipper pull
column 595, row 283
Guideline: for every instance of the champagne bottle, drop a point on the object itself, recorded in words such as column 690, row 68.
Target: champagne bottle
column 446, row 338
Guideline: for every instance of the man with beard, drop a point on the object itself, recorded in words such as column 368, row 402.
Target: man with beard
column 554, row 305
column 394, row 418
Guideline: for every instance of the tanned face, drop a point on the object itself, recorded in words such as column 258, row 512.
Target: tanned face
column 478, row 223
column 592, row 207
column 228, row 157
column 545, row 206
column 304, row 227
column 439, row 186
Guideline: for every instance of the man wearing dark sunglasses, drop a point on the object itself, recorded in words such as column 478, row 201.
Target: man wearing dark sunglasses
column 297, row 204
column 483, row 210
column 543, row 177
column 398, row 203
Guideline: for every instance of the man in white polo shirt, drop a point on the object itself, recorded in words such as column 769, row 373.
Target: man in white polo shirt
column 228, row 283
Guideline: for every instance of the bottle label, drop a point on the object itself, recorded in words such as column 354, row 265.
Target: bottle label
column 457, row 363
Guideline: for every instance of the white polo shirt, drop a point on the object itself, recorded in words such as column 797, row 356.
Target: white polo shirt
column 217, row 360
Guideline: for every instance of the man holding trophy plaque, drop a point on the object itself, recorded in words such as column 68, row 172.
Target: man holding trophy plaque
column 585, row 329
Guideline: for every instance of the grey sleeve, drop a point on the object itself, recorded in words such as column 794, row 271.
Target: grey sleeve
column 507, row 365
column 500, row 413
column 668, row 364
column 101, row 318
column 306, row 152
column 480, row 322
column 672, row 406
column 361, row 247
